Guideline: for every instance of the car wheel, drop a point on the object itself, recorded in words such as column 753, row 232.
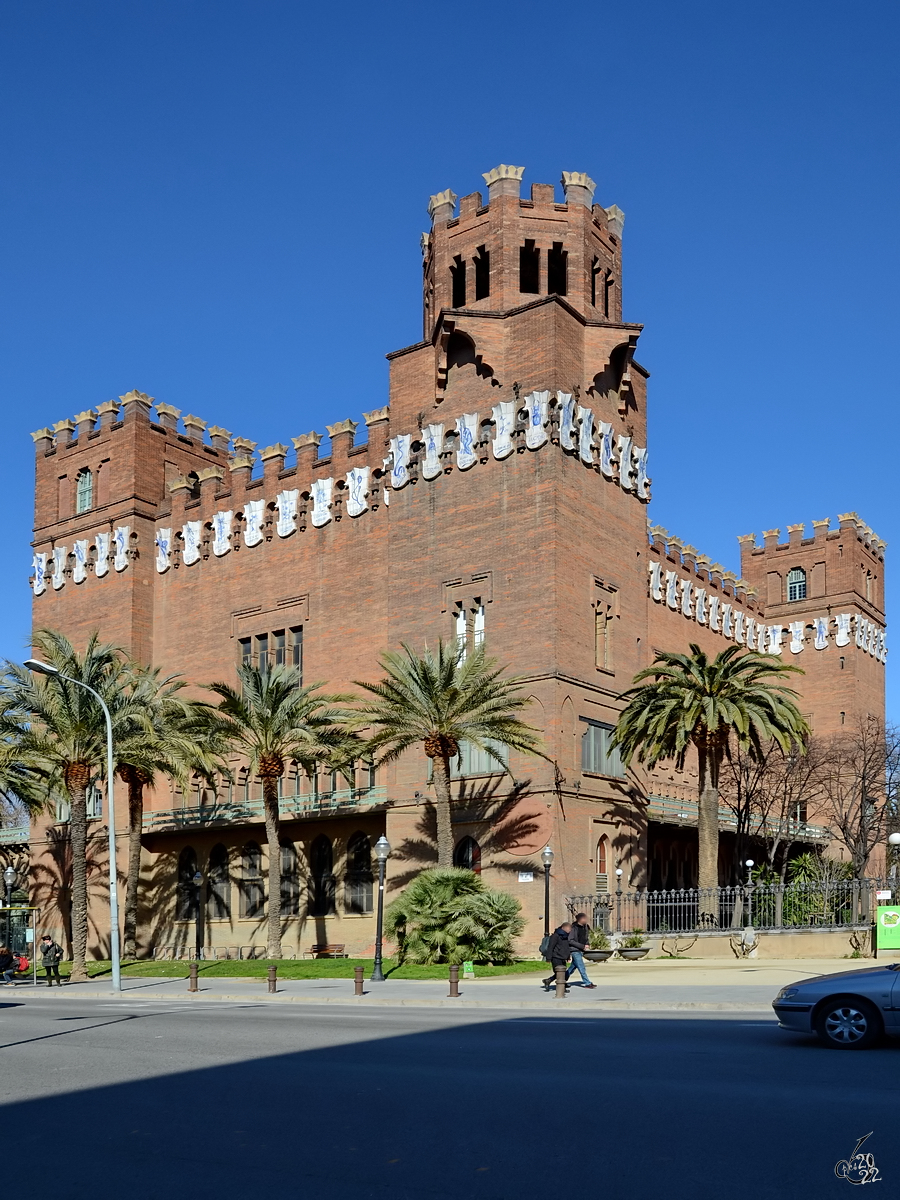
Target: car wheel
column 849, row 1023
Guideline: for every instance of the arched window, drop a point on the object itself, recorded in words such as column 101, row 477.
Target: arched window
column 321, row 870
column 602, row 864
column 290, row 881
column 84, row 491
column 218, row 904
column 253, row 900
column 467, row 854
column 358, row 883
column 187, row 895
column 796, row 584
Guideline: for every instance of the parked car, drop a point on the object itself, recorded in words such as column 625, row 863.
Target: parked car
column 850, row 1010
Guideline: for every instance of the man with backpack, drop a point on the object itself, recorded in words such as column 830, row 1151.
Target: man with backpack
column 579, row 935
column 557, row 953
column 51, row 957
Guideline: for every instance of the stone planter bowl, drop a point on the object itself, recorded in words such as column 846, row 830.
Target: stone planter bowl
column 633, row 953
column 598, row 955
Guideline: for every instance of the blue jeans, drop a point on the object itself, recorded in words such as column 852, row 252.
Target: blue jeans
column 577, row 964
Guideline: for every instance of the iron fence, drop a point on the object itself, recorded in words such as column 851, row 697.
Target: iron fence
column 845, row 904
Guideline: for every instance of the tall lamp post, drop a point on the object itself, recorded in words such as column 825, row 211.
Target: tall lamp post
column 40, row 668
column 547, row 860
column 618, row 899
column 749, row 864
column 382, row 850
column 9, row 879
column 198, row 884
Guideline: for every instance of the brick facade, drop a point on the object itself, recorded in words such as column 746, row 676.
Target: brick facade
column 537, row 534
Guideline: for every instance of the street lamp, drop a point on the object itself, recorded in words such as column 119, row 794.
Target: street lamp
column 749, row 864
column 547, row 860
column 618, row 899
column 198, row 882
column 40, row 668
column 9, row 879
column 382, row 850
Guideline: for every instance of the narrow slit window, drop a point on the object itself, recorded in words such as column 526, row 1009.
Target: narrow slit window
column 529, row 269
column 246, row 648
column 84, row 491
column 595, row 271
column 279, row 647
column 458, row 278
column 796, row 584
column 557, row 270
column 609, row 284
column 482, row 273
column 262, row 651
column 296, row 643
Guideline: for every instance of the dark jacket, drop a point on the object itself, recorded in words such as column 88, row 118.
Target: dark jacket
column 7, row 961
column 579, row 935
column 558, row 951
column 51, row 954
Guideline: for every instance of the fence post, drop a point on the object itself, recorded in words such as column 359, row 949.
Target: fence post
column 779, row 905
column 272, row 976
column 560, row 983
column 454, row 980
column 357, row 981
column 192, row 978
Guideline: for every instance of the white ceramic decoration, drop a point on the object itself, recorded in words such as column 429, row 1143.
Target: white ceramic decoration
column 884, row 650
column 671, row 589
column 687, row 588
column 221, row 525
column 432, row 438
column 796, row 630
column 656, row 581
column 606, row 449
column 253, row 519
column 58, row 578
column 39, row 582
column 775, row 633
column 80, row 554
column 537, row 406
column 700, row 605
column 586, row 435
column 726, row 621
column 820, row 627
column 357, row 491
column 738, row 626
column 842, row 636
column 101, row 566
column 400, row 446
column 626, row 477
column 467, row 428
column 286, row 503
column 761, row 634
column 566, row 420
column 190, row 537
column 861, row 626
column 163, row 549
column 504, row 421
column 750, row 633
column 641, row 478
column 714, row 605
column 320, row 494
column 386, row 497
column 120, row 547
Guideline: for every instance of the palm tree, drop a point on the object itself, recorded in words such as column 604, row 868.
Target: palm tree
column 171, row 739
column 438, row 701
column 63, row 736
column 270, row 720
column 691, row 700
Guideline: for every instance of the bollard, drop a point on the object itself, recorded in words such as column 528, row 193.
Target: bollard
column 560, row 983
column 454, row 980
column 357, row 981
column 192, row 978
column 273, row 979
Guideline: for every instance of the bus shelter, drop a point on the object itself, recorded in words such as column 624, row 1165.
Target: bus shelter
column 18, row 923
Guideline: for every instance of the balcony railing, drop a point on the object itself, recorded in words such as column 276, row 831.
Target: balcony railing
column 13, row 834
column 671, row 810
column 248, row 812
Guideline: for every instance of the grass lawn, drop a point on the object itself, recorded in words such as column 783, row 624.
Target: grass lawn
column 315, row 968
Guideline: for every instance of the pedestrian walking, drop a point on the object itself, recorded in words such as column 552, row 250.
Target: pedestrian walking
column 579, row 935
column 51, row 957
column 9, row 964
column 558, row 952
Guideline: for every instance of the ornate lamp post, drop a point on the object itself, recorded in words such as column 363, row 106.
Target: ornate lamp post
column 9, row 879
column 382, row 850
column 618, row 899
column 40, row 668
column 198, row 884
column 749, row 864
column 547, row 860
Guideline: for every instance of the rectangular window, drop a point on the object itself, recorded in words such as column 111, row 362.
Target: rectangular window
column 482, row 273
column 94, row 803
column 474, row 761
column 296, row 646
column 478, row 626
column 84, row 491
column 557, row 270
column 246, row 648
column 529, row 268
column 598, row 755
column 279, row 647
column 262, row 651
column 460, row 634
column 290, row 882
column 458, row 277
column 63, row 809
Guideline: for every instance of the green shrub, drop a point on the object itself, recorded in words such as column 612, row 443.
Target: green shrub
column 634, row 941
column 448, row 915
column 597, row 940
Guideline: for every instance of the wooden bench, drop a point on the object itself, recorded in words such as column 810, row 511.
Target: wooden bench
column 326, row 952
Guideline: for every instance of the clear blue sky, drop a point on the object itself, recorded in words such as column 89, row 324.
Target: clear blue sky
column 220, row 203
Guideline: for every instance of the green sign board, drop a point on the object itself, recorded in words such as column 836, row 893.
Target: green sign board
column 887, row 924
column 469, row 969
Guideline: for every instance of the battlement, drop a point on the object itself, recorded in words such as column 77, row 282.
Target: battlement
column 694, row 564
column 847, row 523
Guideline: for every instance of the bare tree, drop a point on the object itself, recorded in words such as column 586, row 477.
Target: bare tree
column 860, row 787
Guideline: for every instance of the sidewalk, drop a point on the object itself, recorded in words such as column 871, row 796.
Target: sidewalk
column 654, row 986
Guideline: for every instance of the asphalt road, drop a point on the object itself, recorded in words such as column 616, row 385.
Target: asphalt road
column 225, row 1100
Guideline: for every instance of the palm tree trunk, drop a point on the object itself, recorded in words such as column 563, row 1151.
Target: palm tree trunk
column 441, row 779
column 708, row 840
column 270, row 803
column 135, row 823
column 78, row 834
